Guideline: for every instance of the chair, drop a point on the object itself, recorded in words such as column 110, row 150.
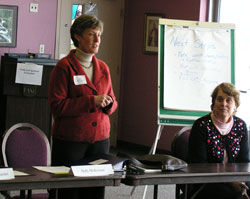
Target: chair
column 25, row 145
column 179, row 149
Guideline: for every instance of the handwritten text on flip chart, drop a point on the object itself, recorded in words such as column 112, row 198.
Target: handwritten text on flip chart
column 195, row 62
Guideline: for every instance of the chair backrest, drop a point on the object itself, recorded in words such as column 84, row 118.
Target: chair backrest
column 179, row 146
column 25, row 145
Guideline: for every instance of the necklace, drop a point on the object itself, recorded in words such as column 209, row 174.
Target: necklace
column 88, row 66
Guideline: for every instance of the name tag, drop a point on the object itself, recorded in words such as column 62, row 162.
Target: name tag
column 6, row 174
column 92, row 170
column 80, row 79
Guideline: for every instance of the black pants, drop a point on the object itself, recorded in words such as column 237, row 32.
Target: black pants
column 66, row 153
column 215, row 191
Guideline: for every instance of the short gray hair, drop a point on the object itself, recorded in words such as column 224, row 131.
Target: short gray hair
column 230, row 90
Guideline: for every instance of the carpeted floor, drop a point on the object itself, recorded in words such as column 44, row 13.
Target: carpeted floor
column 123, row 192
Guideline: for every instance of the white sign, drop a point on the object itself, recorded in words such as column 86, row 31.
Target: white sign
column 6, row 174
column 92, row 170
column 29, row 73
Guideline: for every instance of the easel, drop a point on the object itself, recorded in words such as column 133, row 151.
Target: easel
column 152, row 151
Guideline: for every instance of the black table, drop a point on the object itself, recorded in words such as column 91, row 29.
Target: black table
column 194, row 173
column 43, row 180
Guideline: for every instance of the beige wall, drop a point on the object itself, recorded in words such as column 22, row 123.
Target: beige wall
column 111, row 49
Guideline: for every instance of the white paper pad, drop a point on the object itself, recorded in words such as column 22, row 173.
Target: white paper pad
column 20, row 173
column 54, row 169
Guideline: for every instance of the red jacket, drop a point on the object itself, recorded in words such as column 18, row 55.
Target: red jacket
column 76, row 117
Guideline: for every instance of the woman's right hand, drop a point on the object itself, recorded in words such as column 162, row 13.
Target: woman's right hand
column 240, row 187
column 244, row 189
column 103, row 100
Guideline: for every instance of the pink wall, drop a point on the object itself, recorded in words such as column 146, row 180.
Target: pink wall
column 138, row 100
column 34, row 28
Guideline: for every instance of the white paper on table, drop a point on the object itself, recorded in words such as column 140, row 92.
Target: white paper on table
column 20, row 173
column 54, row 169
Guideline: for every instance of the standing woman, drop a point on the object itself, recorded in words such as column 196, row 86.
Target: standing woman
column 220, row 137
column 81, row 99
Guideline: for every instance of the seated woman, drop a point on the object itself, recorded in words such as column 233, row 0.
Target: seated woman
column 220, row 137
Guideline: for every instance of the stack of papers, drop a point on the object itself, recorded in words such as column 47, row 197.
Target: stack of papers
column 117, row 162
